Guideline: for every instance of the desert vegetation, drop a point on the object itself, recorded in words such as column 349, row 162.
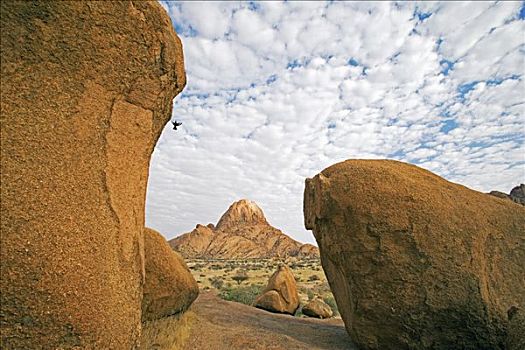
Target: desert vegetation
column 242, row 280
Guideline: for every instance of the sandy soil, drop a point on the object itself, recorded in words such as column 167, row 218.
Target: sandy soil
column 224, row 325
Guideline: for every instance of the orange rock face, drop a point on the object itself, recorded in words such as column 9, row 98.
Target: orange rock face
column 86, row 90
column 242, row 232
column 170, row 287
column 415, row 261
column 194, row 243
column 280, row 295
column 241, row 213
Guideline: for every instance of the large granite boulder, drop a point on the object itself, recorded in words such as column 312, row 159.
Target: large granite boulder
column 280, row 295
column 170, row 287
column 415, row 261
column 87, row 88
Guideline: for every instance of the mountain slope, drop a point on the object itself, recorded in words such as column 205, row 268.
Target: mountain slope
column 242, row 232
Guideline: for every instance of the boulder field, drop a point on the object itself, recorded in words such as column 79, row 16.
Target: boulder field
column 87, row 88
column 415, row 261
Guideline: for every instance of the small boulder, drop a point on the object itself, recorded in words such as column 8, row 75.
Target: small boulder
column 170, row 288
column 517, row 194
column 317, row 308
column 499, row 194
column 280, row 295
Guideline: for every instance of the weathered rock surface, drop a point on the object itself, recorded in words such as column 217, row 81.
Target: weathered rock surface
column 516, row 332
column 194, row 243
column 241, row 213
column 317, row 308
column 308, row 251
column 517, row 194
column 280, row 295
column 241, row 233
column 170, row 287
column 86, row 90
column 415, row 261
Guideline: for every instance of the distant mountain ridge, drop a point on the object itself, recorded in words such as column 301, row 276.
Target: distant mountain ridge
column 241, row 233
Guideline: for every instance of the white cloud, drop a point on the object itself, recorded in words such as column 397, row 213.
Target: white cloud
column 278, row 91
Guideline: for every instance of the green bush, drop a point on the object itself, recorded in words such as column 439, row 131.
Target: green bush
column 310, row 294
column 216, row 282
column 243, row 294
column 331, row 302
column 313, row 278
column 240, row 276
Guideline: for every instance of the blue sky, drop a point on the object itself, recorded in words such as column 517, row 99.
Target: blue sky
column 279, row 91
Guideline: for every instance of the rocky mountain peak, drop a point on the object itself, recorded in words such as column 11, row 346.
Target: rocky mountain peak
column 242, row 213
column 241, row 233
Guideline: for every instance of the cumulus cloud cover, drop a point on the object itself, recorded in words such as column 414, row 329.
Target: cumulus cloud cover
column 279, row 91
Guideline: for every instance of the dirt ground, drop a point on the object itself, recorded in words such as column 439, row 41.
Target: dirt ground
column 224, row 325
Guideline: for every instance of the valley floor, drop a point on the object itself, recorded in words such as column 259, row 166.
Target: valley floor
column 225, row 325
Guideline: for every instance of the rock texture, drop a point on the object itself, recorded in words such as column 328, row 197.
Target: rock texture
column 170, row 288
column 241, row 213
column 86, row 90
column 317, row 308
column 280, row 295
column 242, row 232
column 517, row 194
column 516, row 332
column 194, row 243
column 414, row 261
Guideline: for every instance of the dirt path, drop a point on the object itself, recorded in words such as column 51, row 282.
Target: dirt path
column 224, row 325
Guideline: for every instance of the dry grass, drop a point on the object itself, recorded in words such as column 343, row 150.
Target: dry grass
column 220, row 275
column 170, row 333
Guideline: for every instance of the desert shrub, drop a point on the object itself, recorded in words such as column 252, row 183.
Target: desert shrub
column 239, row 278
column 313, row 278
column 299, row 312
column 202, row 275
column 216, row 282
column 243, row 294
column 310, row 294
column 331, row 302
